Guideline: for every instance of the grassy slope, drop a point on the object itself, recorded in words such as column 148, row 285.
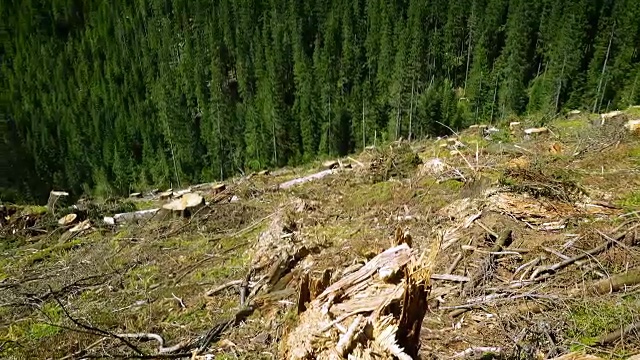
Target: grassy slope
column 130, row 279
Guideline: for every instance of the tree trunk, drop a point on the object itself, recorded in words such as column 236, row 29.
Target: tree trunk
column 604, row 68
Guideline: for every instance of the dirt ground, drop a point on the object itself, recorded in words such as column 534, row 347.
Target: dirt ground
column 559, row 195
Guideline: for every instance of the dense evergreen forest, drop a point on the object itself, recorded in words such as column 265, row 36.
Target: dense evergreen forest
column 110, row 96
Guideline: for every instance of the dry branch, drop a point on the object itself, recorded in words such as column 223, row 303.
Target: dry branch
column 449, row 277
column 619, row 334
column 486, row 267
column 564, row 263
column 455, row 263
column 218, row 289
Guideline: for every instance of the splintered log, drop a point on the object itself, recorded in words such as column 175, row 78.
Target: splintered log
column 375, row 311
column 311, row 287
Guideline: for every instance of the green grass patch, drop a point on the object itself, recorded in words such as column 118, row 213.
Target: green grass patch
column 141, row 277
column 34, row 210
column 588, row 321
column 633, row 111
column 368, row 195
column 52, row 251
column 630, row 201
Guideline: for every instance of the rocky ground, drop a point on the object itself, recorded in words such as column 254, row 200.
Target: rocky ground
column 510, row 244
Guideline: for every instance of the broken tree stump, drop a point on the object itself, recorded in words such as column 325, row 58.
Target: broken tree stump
column 373, row 312
column 186, row 205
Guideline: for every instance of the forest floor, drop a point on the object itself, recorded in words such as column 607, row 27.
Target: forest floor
column 569, row 199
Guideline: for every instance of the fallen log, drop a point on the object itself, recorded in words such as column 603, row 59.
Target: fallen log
column 619, row 334
column 305, row 179
column 133, row 216
column 612, row 284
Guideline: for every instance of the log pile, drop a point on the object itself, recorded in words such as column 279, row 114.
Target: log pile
column 374, row 312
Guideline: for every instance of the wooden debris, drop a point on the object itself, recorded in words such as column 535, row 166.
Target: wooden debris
column 610, row 115
column 84, row 225
column 555, row 267
column 133, row 216
column 614, row 283
column 359, row 300
column 166, row 194
column 67, row 219
column 264, row 173
column 135, row 195
column 477, row 351
column 54, row 198
column 486, row 267
column 449, row 277
column 577, row 355
column 304, row 179
column 633, row 126
column 330, row 164
column 218, row 188
column 186, row 205
column 631, row 329
column 218, row 289
column 180, row 193
column 573, row 113
column 532, row 131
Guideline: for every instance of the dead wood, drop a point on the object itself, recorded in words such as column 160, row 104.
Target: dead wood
column 133, row 216
column 55, row 199
column 614, row 283
column 449, row 277
column 485, row 269
column 389, row 296
column 477, row 351
column 159, row 339
column 186, row 205
column 304, row 179
column 455, row 263
column 564, row 263
column 218, row 289
column 631, row 329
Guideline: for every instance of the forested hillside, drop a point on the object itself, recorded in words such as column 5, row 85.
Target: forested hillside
column 117, row 95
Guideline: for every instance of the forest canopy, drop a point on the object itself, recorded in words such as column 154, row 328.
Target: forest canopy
column 110, row 96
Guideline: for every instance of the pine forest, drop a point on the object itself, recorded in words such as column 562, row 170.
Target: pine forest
column 107, row 97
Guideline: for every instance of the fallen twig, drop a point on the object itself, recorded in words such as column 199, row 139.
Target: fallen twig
column 485, row 268
column 449, row 277
column 455, row 263
column 223, row 287
column 159, row 339
column 486, row 228
column 564, row 263
column 477, row 351
column 618, row 334
column 97, row 330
